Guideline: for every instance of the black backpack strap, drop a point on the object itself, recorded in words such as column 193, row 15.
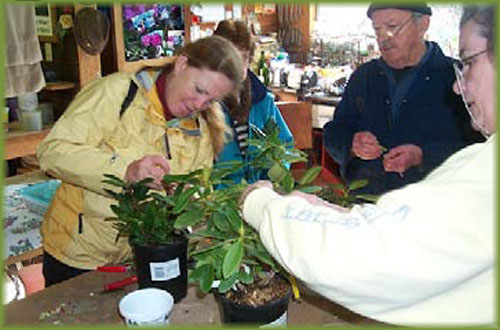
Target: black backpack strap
column 132, row 90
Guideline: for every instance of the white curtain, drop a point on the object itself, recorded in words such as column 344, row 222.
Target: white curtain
column 23, row 70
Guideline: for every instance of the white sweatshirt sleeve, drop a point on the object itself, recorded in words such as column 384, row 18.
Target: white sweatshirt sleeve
column 414, row 244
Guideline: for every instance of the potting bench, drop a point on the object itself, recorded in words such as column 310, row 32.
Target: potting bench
column 80, row 301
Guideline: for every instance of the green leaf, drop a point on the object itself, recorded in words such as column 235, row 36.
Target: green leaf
column 357, row 184
column 113, row 180
column 368, row 197
column 310, row 189
column 206, row 276
column 220, row 220
column 336, row 186
column 310, row 175
column 209, row 233
column 234, row 217
column 232, row 260
column 245, row 277
column 288, row 183
column 141, row 192
column 175, row 178
column 183, row 199
column 277, row 173
column 264, row 257
column 189, row 218
column 228, row 283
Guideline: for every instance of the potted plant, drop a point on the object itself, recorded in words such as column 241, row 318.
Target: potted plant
column 147, row 217
column 228, row 256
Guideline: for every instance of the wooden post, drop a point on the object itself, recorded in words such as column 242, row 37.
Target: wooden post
column 89, row 66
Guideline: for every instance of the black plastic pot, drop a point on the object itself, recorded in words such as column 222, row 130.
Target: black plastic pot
column 163, row 267
column 275, row 312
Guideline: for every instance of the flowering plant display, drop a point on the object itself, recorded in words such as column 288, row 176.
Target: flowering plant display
column 152, row 30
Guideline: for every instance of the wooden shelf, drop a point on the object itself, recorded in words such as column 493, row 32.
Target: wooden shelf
column 19, row 143
column 59, row 86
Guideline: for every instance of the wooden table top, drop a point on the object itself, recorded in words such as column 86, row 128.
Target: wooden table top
column 80, row 301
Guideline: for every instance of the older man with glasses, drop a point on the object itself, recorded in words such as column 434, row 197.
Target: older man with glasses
column 398, row 118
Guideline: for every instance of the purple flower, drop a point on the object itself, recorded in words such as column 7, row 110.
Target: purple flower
column 128, row 12
column 155, row 10
column 139, row 9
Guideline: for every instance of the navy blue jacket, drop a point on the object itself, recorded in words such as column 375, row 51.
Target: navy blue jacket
column 423, row 110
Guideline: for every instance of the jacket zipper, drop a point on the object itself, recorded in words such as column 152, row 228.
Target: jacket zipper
column 80, row 223
column 167, row 146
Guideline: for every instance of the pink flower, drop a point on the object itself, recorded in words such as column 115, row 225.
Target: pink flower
column 155, row 39
column 146, row 40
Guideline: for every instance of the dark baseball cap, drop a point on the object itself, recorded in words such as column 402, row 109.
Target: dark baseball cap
column 422, row 8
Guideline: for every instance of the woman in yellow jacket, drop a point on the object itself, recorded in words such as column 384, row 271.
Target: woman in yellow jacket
column 134, row 126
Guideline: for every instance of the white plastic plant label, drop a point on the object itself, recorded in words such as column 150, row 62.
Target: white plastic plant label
column 164, row 271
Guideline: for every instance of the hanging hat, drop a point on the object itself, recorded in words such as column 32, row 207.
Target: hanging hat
column 91, row 30
column 422, row 8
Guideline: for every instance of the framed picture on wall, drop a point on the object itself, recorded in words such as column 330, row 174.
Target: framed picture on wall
column 146, row 29
column 45, row 21
column 148, row 34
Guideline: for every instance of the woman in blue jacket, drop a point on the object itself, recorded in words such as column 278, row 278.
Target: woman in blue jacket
column 253, row 106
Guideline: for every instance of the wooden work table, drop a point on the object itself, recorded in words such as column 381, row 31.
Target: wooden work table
column 84, row 303
column 20, row 143
column 28, row 177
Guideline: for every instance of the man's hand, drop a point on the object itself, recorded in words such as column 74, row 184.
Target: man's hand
column 365, row 146
column 151, row 166
column 401, row 158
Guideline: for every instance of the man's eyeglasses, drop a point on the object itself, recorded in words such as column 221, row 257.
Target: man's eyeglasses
column 392, row 30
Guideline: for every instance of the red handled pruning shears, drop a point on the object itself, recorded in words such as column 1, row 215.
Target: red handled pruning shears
column 119, row 284
column 113, row 269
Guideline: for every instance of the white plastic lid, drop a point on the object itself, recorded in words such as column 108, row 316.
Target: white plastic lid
column 146, row 306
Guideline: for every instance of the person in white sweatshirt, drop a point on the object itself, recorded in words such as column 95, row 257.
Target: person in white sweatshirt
column 423, row 254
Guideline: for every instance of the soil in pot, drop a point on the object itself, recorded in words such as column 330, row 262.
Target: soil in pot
column 261, row 303
column 163, row 266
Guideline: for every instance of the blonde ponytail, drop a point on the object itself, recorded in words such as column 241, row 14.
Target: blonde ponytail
column 219, row 131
